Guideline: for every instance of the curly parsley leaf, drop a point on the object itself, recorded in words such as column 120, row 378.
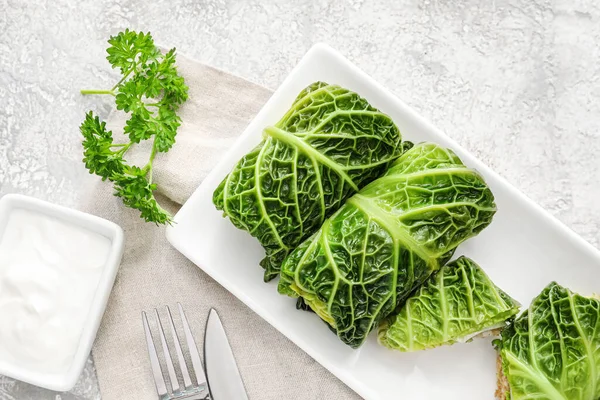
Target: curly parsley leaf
column 151, row 91
column 129, row 49
column 137, row 192
column 100, row 155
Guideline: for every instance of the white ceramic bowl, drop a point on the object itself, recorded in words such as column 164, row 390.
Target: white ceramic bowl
column 65, row 381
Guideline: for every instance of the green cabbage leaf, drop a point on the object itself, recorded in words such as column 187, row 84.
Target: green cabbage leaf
column 552, row 350
column 456, row 303
column 387, row 239
column 328, row 145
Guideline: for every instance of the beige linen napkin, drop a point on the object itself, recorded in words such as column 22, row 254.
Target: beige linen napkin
column 154, row 274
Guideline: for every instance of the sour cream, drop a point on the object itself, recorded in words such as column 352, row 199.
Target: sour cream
column 49, row 272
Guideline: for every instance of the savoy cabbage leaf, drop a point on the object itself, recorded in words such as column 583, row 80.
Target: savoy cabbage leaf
column 456, row 303
column 387, row 239
column 328, row 145
column 552, row 350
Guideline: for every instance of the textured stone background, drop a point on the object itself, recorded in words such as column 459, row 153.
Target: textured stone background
column 516, row 82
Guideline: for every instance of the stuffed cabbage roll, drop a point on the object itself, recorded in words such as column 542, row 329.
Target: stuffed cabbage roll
column 387, row 239
column 552, row 350
column 456, row 303
column 328, row 145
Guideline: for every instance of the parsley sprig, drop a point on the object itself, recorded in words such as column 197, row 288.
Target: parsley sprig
column 151, row 90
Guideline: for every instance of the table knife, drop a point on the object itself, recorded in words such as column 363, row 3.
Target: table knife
column 224, row 378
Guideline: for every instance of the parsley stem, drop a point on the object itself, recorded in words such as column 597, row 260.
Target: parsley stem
column 124, row 77
column 124, row 148
column 98, row 92
column 149, row 165
column 152, row 154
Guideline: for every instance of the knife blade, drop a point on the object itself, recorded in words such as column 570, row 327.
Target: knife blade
column 224, row 378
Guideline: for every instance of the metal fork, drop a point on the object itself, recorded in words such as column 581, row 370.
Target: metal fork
column 190, row 391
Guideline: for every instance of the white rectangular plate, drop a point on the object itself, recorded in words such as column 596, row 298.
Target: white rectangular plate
column 522, row 250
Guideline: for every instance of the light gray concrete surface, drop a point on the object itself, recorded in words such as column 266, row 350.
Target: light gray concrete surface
column 517, row 82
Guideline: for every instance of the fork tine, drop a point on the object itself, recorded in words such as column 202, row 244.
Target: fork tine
column 159, row 380
column 187, row 380
column 196, row 362
column 168, row 359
